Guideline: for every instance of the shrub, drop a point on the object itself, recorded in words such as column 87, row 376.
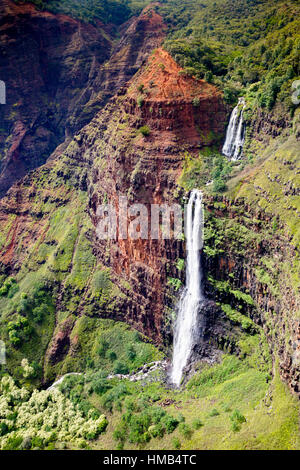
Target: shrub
column 12, row 290
column 237, row 417
column 197, row 423
column 111, row 355
column 28, row 371
column 3, row 429
column 185, row 430
column 113, row 395
column 157, row 414
column 208, row 76
column 176, row 443
column 175, row 283
column 100, row 386
column 170, row 423
column 120, row 368
column 214, row 412
column 140, row 101
column 130, row 352
column 130, row 404
column 180, row 264
column 19, row 330
column 9, row 287
column 102, row 348
column 156, row 430
column 219, row 186
column 145, row 130
column 120, row 433
column 181, row 418
column 39, row 313
column 13, row 443
column 235, row 427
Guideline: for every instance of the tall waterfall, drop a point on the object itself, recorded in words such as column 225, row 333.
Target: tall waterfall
column 235, row 134
column 188, row 305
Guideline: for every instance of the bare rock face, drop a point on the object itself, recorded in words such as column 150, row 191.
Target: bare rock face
column 60, row 343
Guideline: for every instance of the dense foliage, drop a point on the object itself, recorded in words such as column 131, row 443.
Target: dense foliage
column 36, row 420
column 245, row 46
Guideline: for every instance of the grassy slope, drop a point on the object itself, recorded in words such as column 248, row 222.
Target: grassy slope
column 213, row 396
column 270, row 182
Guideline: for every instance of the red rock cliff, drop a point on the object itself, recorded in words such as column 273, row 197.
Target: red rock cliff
column 182, row 114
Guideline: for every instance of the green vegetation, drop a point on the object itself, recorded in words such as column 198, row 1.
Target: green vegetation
column 175, row 283
column 281, row 157
column 237, row 419
column 180, row 264
column 18, row 330
column 39, row 419
column 145, row 131
column 229, row 400
column 106, row 345
column 8, row 288
column 139, row 419
column 236, row 317
column 250, row 46
column 208, row 166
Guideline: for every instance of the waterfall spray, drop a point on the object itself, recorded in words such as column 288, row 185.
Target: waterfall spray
column 191, row 296
column 235, row 133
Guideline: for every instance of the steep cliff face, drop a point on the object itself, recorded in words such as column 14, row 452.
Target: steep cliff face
column 252, row 247
column 45, row 61
column 139, row 37
column 135, row 147
column 179, row 114
column 49, row 236
column 56, row 79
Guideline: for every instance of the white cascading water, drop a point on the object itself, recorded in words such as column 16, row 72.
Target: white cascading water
column 235, row 135
column 191, row 296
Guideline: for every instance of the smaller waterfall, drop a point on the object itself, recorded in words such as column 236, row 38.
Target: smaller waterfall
column 235, row 135
column 188, row 305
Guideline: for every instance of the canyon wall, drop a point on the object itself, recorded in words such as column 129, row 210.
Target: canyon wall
column 58, row 73
column 143, row 115
column 254, row 250
column 144, row 168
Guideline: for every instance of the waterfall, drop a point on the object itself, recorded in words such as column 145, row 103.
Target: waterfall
column 235, row 134
column 191, row 296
